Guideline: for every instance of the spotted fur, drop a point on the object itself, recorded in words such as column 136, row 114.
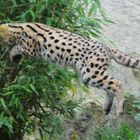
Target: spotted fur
column 90, row 58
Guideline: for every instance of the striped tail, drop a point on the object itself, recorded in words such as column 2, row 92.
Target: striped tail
column 124, row 59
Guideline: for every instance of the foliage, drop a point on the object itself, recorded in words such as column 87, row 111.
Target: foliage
column 132, row 108
column 111, row 133
column 66, row 14
column 33, row 93
column 137, row 107
column 38, row 99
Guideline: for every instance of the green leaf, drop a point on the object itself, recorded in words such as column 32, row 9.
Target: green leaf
column 27, row 89
column 3, row 103
column 92, row 10
column 137, row 117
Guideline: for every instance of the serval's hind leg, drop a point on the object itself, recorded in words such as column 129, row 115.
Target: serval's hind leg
column 113, row 88
column 108, row 102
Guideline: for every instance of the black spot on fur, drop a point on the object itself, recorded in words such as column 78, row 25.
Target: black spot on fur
column 102, row 59
column 93, row 76
column 63, row 43
column 99, row 81
column 61, row 35
column 68, row 50
column 96, row 72
column 51, row 51
column 96, row 65
column 77, row 54
column 33, row 29
column 56, row 41
column 52, row 37
column 91, row 65
column 48, row 55
column 110, row 82
column 105, row 77
column 49, row 45
column 62, row 49
column 102, row 73
column 57, row 47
